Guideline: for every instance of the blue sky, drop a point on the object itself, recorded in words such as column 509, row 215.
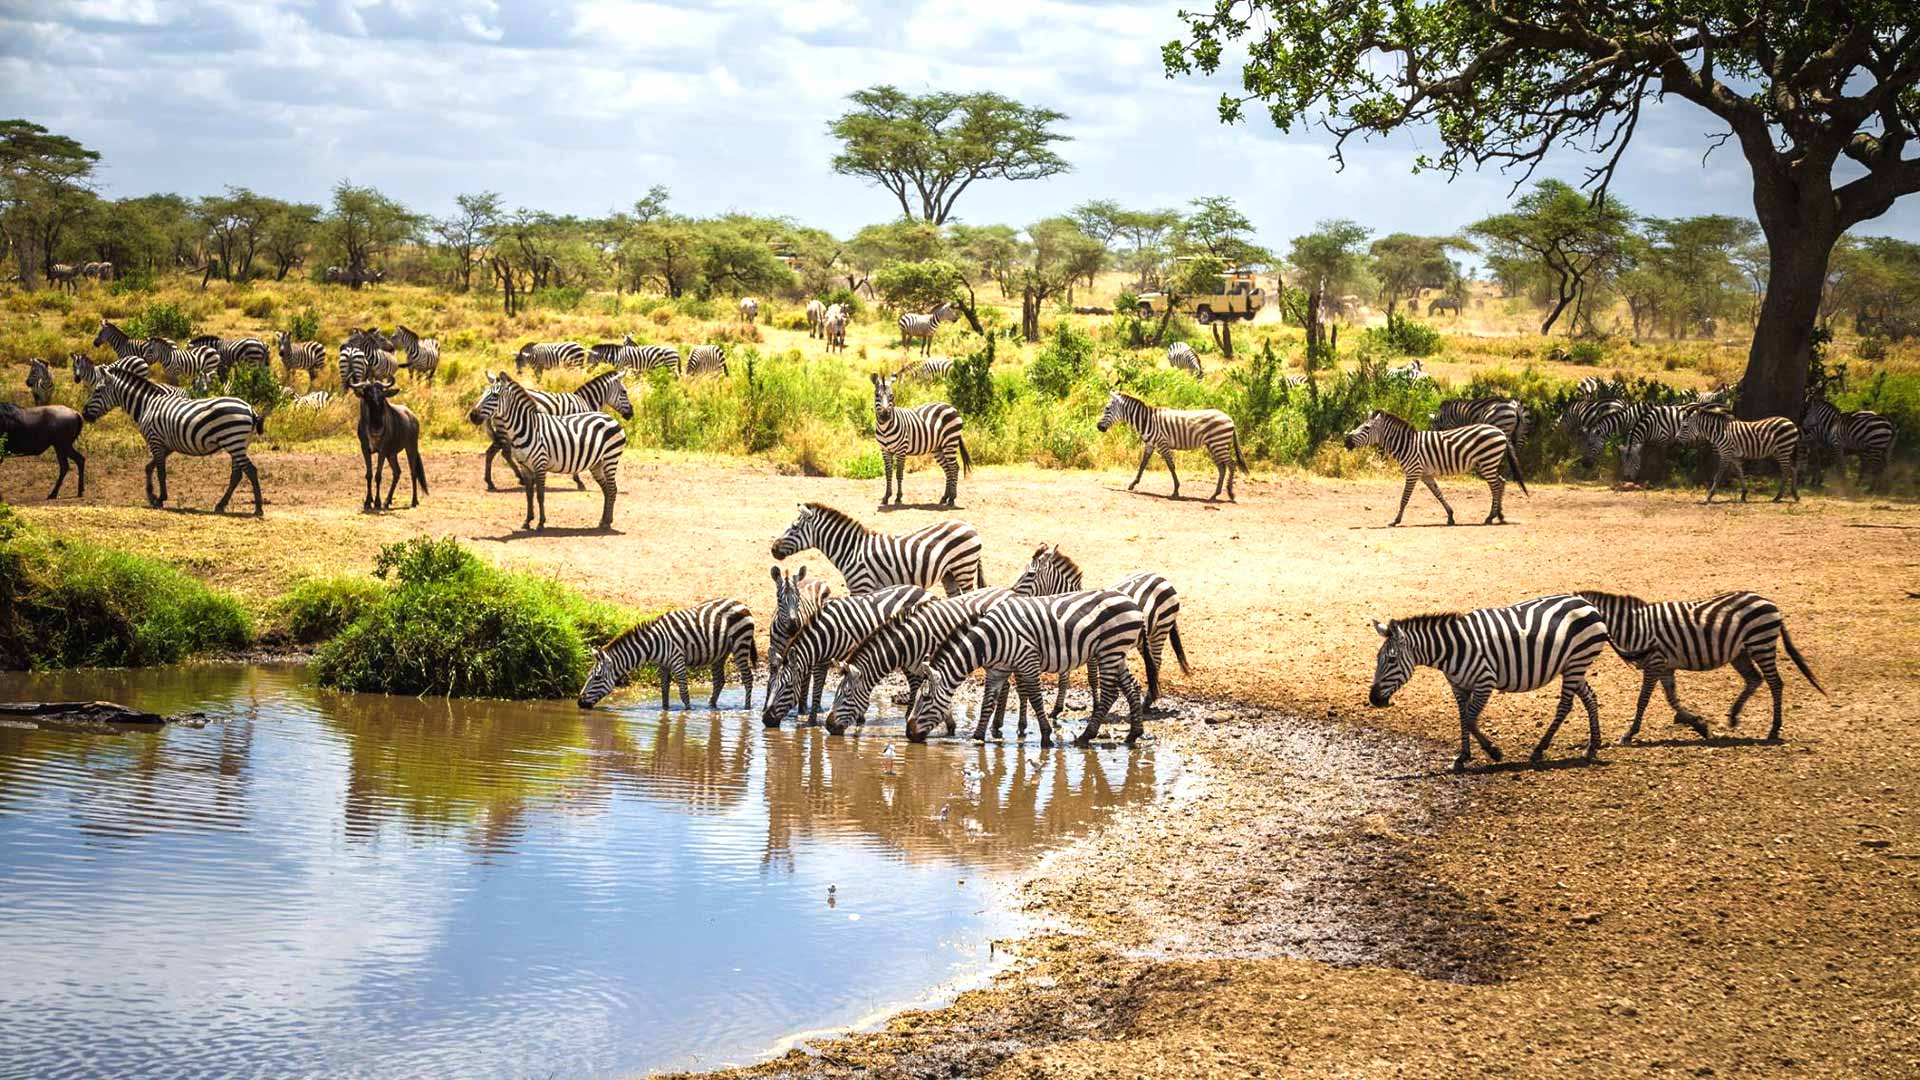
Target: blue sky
column 581, row 105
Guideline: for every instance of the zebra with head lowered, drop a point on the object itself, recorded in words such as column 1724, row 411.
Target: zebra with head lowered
column 704, row 635
column 1861, row 432
column 833, row 327
column 173, row 423
column 193, row 365
column 1590, row 422
column 933, row 428
column 1647, row 425
column 921, row 328
column 1480, row 449
column 235, row 351
column 1180, row 355
column 423, row 354
column 1167, row 430
column 541, row 442
column 833, row 633
column 1510, row 649
column 906, row 646
column 603, row 391
column 796, row 601
column 647, row 357
column 545, row 355
column 1507, row 414
column 1740, row 441
column 40, row 381
column 1738, row 628
column 367, row 355
column 307, row 356
column 945, row 553
column 1052, row 571
column 707, row 360
column 1027, row 635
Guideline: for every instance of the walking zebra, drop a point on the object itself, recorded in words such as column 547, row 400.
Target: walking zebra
column 699, row 636
column 1861, row 432
column 834, row 328
column 1507, row 414
column 1181, row 355
column 795, row 602
column 1051, row 571
column 707, row 360
column 1479, row 449
column 648, row 357
column 63, row 276
column 1590, row 422
column 1510, row 649
column 816, row 318
column 543, row 355
column 307, row 356
column 933, row 428
column 234, row 352
column 172, row 423
column 541, row 442
column 922, row 327
column 39, row 381
column 945, row 553
column 749, row 308
column 603, row 391
column 1738, row 628
column 1167, row 430
column 423, row 354
column 1739, row 441
column 1027, row 635
column 1651, row 424
column 906, row 646
column 833, row 633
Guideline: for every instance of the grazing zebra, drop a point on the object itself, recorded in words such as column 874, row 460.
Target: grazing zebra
column 834, row 328
column 64, row 276
column 99, row 271
column 1510, row 649
column 749, row 308
column 833, row 633
column 235, row 351
column 1861, row 432
column 934, row 428
column 904, row 646
column 603, row 391
column 1648, row 424
column 543, row 355
column 1181, row 355
column 1051, row 572
column 1167, row 430
column 816, row 318
column 195, row 365
column 648, row 357
column 606, row 351
column 1507, row 414
column 423, row 354
column 40, row 381
column 542, row 442
column 313, row 399
column 699, row 636
column 1411, row 372
column 172, row 423
column 1590, row 422
column 1740, row 441
column 1738, row 628
column 796, row 601
column 307, row 356
column 945, row 553
column 921, row 327
column 706, row 360
column 1027, row 635
column 1479, row 449
column 935, row 368
column 1444, row 303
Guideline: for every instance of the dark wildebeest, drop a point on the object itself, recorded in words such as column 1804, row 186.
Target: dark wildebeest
column 386, row 430
column 28, row 433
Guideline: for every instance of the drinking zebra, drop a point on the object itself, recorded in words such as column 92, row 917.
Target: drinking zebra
column 234, row 352
column 603, row 391
column 816, row 318
column 1590, row 422
column 1510, row 649
column 906, row 646
column 1181, row 355
column 648, row 357
column 1052, row 571
column 39, row 381
column 1480, row 449
column 1167, row 430
column 699, row 636
column 1738, row 628
column 1739, row 441
column 1507, row 414
column 173, row 423
column 542, row 442
column 749, row 308
column 945, row 553
column 833, row 633
column 307, row 356
column 933, row 428
column 423, row 354
column 1861, row 432
column 921, row 327
column 834, row 328
column 707, row 360
column 1027, row 635
column 1651, row 424
column 544, row 355
column 796, row 601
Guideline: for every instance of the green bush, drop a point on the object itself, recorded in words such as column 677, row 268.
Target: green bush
column 125, row 282
column 305, row 326
column 320, row 608
column 567, row 298
column 970, row 385
column 258, row 307
column 1063, row 361
column 1402, row 337
column 1871, row 347
column 848, row 300
column 161, row 320
column 254, row 384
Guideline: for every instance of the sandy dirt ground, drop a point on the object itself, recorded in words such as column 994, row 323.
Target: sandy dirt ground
column 1726, row 908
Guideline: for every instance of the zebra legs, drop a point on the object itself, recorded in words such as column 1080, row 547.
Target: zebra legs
column 1470, row 703
column 536, row 484
column 241, row 467
column 743, row 666
column 157, row 467
column 1431, row 486
column 1110, row 680
column 1790, row 475
column 1222, row 479
column 609, row 488
column 1146, row 455
column 1166, row 455
column 949, row 464
column 1498, row 487
column 1405, row 494
column 1569, row 689
column 1757, row 665
column 886, row 466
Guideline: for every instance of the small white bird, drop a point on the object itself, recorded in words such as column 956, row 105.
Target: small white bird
column 889, row 755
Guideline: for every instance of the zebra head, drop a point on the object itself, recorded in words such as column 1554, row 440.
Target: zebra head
column 1049, row 573
column 1392, row 667
column 488, row 404
column 1703, row 422
column 882, row 395
column 601, row 678
column 1115, row 410
column 932, row 707
column 799, row 535
column 105, row 395
column 617, row 396
column 851, row 695
column 524, row 357
column 1367, row 434
column 82, row 368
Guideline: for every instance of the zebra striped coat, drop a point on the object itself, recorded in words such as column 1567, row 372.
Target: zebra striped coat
column 834, row 328
column 307, row 356
column 930, row 369
column 423, row 354
column 1861, row 432
column 1651, row 424
column 700, row 636
column 372, row 358
column 934, row 428
column 193, row 365
column 1507, row 414
column 833, row 633
column 542, row 442
column 707, row 360
column 1738, row 628
column 904, row 646
column 1167, row 430
column 921, row 328
column 1740, row 441
column 648, row 357
column 1510, row 649
column 1051, row 572
column 123, row 346
column 314, row 399
column 1590, row 422
column 234, row 352
column 1479, row 449
column 1028, row 635
column 795, row 602
column 40, row 381
column 944, row 553
column 172, row 423
column 603, row 391
column 545, row 355
column 1181, row 355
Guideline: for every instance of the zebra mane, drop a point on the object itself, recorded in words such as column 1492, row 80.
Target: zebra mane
column 1624, row 598
column 837, row 515
column 1124, row 396
column 1066, row 559
column 1390, row 418
column 1428, row 621
column 634, row 631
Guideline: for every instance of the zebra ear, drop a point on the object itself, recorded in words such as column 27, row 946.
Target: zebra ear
column 1383, row 631
column 776, row 574
column 875, row 376
column 800, row 574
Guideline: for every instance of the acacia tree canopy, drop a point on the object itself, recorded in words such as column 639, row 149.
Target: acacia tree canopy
column 927, row 149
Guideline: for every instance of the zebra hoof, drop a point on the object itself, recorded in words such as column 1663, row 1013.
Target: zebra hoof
column 1460, row 764
column 1627, row 739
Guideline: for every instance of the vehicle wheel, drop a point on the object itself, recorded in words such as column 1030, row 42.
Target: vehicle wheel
column 1204, row 316
column 1146, row 311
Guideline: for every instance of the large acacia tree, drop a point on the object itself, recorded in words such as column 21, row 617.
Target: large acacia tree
column 1805, row 90
column 927, row 149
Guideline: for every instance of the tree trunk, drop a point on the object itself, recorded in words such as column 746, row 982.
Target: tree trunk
column 1223, row 337
column 1776, row 380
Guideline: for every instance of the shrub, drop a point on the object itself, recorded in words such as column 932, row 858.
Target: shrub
column 1062, row 362
column 1403, row 337
column 258, row 307
column 138, row 280
column 254, row 384
column 970, row 384
column 1587, row 353
column 562, row 298
column 848, row 300
column 1871, row 347
column 306, row 325
column 53, row 300
column 320, row 608
column 163, row 319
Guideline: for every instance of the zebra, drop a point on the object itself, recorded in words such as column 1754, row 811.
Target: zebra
column 605, row 352
column 542, row 355
column 1861, row 432
column 648, row 357
column 833, row 327
column 1444, row 303
column 83, row 368
column 99, row 271
column 1593, row 386
column 1739, row 441
column 698, row 636
column 235, row 351
column 922, row 327
column 1507, row 414
column 1167, row 430
column 1510, row 649
column 1645, row 424
column 796, row 601
column 307, row 356
column 816, row 318
column 1052, row 571
column 1479, row 449
column 1738, row 628
column 40, row 381
column 195, row 365
column 543, row 442
column 1181, row 355
column 116, row 339
column 1590, row 422
column 944, row 553
column 933, row 428
column 64, row 276
column 749, row 309
column 313, row 399
column 1031, row 634
column 835, row 631
column 603, row 391
column 904, row 646
column 1413, row 372
column 706, row 360
column 174, row 423
column 372, row 358
column 935, row 368
column 423, row 354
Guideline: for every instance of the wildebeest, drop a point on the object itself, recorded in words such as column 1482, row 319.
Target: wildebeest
column 387, row 430
column 28, row 433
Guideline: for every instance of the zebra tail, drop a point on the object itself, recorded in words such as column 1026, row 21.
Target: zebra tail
column 1240, row 459
column 966, row 463
column 1179, row 650
column 1800, row 661
column 1513, row 459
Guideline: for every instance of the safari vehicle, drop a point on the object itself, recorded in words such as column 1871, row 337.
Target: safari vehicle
column 1242, row 299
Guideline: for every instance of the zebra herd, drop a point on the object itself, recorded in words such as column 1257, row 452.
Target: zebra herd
column 625, row 354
